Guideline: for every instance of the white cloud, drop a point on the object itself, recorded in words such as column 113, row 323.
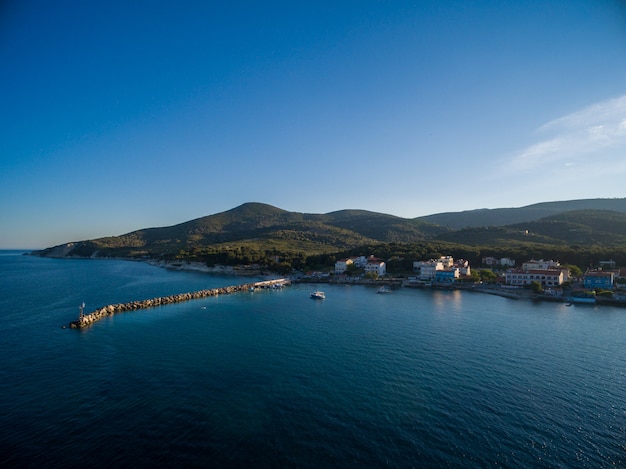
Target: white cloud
column 591, row 136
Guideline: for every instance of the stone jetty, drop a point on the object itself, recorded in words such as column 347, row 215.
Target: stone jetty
column 86, row 320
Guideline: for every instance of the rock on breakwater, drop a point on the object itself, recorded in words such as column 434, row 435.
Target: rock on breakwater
column 86, row 320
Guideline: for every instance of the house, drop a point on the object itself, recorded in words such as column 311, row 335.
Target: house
column 368, row 264
column 426, row 270
column 341, row 266
column 598, row 279
column 361, row 261
column 463, row 266
column 540, row 265
column 566, row 274
column 447, row 275
column 375, row 265
column 606, row 264
column 503, row 261
column 521, row 277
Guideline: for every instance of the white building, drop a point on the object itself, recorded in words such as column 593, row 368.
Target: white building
column 342, row 265
column 463, row 266
column 375, row 266
column 493, row 262
column 360, row 261
column 547, row 278
column 426, row 270
column 368, row 264
column 540, row 265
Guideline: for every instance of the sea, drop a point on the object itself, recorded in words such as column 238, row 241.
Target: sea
column 273, row 378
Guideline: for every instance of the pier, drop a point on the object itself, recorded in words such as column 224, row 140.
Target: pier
column 86, row 320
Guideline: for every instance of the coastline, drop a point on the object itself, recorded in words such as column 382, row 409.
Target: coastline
column 512, row 294
column 395, row 283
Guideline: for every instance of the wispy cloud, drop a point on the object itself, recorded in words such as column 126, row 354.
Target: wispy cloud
column 590, row 135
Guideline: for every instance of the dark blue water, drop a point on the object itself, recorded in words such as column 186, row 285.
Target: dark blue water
column 274, row 379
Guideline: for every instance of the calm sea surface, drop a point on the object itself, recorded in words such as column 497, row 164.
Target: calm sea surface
column 275, row 379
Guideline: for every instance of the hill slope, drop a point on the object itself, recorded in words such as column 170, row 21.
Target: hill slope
column 578, row 227
column 258, row 226
column 510, row 216
column 256, row 233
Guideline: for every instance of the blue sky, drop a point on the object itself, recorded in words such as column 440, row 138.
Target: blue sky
column 125, row 115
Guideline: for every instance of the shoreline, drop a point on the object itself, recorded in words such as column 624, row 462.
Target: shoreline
column 187, row 266
column 512, row 294
column 239, row 271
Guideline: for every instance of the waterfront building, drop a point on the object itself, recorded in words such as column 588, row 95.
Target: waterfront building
column 341, row 266
column 521, row 277
column 566, row 274
column 447, row 275
column 361, row 261
column 428, row 270
column 598, row 279
column 369, row 264
column 376, row 266
column 463, row 266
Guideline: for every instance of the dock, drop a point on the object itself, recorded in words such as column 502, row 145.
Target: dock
column 86, row 320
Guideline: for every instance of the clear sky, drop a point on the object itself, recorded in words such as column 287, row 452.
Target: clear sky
column 121, row 115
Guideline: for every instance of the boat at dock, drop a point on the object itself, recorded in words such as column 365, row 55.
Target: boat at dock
column 318, row 295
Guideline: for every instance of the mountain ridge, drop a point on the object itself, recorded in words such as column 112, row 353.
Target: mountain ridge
column 261, row 231
column 509, row 216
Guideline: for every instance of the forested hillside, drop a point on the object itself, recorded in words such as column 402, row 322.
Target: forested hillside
column 511, row 216
column 266, row 235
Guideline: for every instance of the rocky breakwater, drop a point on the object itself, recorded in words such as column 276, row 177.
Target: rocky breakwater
column 86, row 320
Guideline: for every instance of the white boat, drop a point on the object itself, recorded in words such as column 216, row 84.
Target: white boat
column 318, row 295
column 384, row 289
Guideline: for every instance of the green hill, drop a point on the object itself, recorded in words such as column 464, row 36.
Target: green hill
column 256, row 233
column 382, row 227
column 510, row 216
column 577, row 227
column 257, row 227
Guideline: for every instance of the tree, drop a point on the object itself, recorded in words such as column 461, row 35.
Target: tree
column 487, row 275
column 474, row 276
column 536, row 287
column 372, row 275
column 574, row 270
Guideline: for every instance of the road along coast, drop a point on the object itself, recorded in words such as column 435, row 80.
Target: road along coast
column 86, row 320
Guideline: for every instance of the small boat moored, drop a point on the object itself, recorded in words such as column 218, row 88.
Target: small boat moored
column 318, row 295
column 384, row 289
